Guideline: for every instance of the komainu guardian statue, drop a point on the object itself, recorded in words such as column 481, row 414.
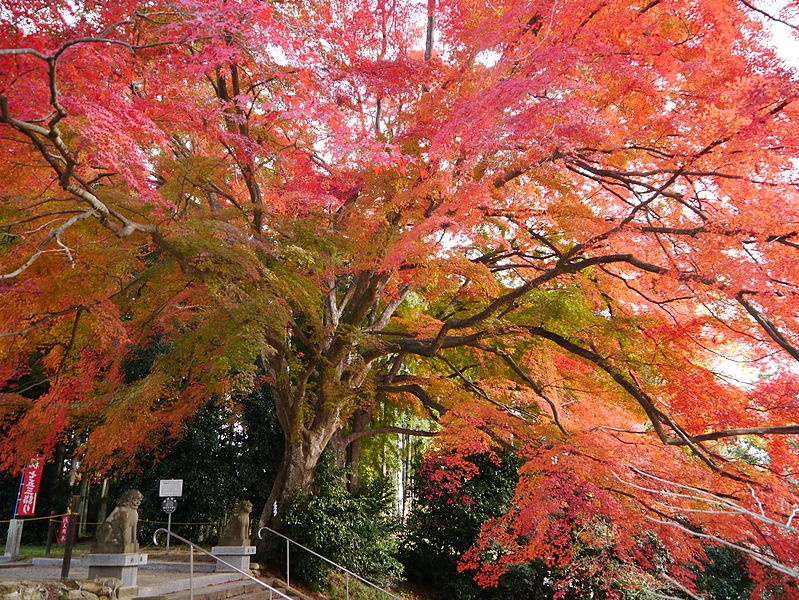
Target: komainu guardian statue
column 237, row 530
column 117, row 534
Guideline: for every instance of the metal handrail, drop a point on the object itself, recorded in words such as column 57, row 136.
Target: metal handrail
column 193, row 546
column 341, row 568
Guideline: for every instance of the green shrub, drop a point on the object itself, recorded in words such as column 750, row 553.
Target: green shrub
column 356, row 531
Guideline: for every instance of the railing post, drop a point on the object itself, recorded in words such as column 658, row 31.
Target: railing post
column 273, row 593
column 191, row 572
column 347, row 579
column 288, row 563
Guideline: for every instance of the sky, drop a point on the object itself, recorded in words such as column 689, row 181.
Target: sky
column 785, row 39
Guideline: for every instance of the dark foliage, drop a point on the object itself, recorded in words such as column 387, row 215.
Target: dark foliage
column 725, row 578
column 230, row 452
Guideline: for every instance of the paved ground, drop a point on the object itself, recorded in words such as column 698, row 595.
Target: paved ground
column 159, row 577
column 147, row 577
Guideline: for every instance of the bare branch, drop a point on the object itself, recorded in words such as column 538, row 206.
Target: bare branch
column 755, row 555
column 718, row 505
column 54, row 234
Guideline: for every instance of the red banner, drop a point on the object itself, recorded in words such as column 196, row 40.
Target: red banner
column 63, row 529
column 29, row 490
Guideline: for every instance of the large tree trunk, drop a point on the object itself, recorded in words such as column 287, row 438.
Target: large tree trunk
column 296, row 473
column 315, row 399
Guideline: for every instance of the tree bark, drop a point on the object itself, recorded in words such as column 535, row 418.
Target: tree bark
column 296, row 473
column 359, row 422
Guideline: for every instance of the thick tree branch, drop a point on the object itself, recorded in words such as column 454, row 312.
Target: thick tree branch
column 417, row 390
column 657, row 417
column 719, row 435
column 768, row 326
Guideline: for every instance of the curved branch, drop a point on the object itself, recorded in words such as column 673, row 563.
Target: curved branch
column 529, row 380
column 768, row 326
column 656, row 416
column 421, row 393
column 348, row 439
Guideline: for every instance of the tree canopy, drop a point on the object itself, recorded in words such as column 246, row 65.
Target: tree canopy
column 569, row 230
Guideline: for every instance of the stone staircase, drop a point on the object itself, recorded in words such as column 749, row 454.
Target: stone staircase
column 239, row 589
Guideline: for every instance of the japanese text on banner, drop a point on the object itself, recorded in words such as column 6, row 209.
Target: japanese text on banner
column 31, row 476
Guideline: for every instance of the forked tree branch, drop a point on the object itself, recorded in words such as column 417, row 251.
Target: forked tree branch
column 528, row 379
column 52, row 235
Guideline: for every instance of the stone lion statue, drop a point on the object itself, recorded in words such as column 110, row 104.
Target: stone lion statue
column 118, row 532
column 237, row 530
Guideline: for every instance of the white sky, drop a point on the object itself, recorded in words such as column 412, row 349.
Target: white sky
column 785, row 38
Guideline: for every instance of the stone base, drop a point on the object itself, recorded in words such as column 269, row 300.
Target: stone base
column 115, row 548
column 124, row 567
column 236, row 556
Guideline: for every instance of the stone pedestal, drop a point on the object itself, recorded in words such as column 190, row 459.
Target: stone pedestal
column 237, row 556
column 124, row 567
column 13, row 539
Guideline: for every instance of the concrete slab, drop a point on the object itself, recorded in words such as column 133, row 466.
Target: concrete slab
column 151, row 581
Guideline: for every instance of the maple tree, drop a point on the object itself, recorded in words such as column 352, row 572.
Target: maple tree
column 551, row 227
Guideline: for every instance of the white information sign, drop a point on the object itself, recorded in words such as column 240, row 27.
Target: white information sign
column 170, row 487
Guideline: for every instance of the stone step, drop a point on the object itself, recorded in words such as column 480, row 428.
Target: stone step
column 288, row 591
column 177, row 582
column 241, row 589
column 234, row 589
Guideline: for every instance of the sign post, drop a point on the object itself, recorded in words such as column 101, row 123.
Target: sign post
column 168, row 505
column 169, row 490
column 70, row 535
column 25, row 505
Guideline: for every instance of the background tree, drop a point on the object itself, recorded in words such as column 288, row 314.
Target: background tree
column 220, row 459
column 453, row 500
column 554, row 220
